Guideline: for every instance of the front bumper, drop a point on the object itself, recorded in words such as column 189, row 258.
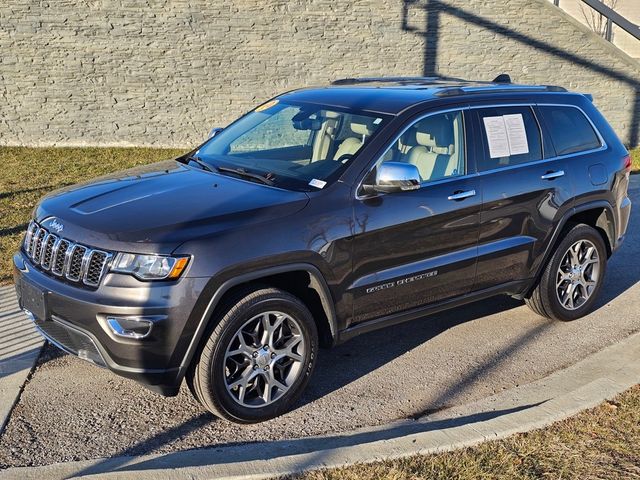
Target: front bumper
column 75, row 320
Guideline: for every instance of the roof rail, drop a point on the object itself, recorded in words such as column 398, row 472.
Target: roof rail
column 454, row 91
column 426, row 80
column 502, row 83
column 502, row 78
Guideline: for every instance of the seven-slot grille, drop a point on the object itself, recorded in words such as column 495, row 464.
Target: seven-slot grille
column 63, row 258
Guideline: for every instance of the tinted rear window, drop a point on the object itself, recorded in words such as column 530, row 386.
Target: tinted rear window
column 570, row 130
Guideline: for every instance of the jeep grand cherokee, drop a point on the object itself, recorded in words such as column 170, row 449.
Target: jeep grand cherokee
column 322, row 214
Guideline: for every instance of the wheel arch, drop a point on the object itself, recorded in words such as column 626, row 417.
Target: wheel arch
column 303, row 280
column 597, row 214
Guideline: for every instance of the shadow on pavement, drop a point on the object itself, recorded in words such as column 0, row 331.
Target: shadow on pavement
column 21, row 361
column 369, row 352
column 269, row 450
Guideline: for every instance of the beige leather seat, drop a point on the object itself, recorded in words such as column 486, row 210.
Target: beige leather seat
column 433, row 161
column 325, row 136
column 351, row 145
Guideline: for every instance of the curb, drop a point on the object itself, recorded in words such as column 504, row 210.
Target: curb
column 595, row 379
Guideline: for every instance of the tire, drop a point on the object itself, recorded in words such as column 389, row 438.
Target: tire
column 247, row 372
column 571, row 283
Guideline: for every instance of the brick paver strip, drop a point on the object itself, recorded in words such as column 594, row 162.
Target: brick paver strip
column 20, row 345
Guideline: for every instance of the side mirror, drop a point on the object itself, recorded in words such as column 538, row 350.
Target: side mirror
column 214, row 132
column 394, row 177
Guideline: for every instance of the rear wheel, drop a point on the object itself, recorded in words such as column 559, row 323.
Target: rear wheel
column 258, row 359
column 573, row 278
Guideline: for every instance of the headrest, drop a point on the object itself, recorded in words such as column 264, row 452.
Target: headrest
column 425, row 139
column 440, row 136
column 360, row 129
column 450, row 150
column 330, row 114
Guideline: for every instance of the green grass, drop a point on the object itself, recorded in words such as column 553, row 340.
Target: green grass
column 29, row 173
column 599, row 443
column 635, row 160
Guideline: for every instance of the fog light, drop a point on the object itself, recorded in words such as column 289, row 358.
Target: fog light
column 130, row 327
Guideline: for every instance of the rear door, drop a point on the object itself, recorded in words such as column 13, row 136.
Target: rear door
column 526, row 188
column 418, row 247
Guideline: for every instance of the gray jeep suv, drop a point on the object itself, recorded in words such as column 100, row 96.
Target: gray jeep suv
column 322, row 214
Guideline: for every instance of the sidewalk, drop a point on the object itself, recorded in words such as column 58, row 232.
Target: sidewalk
column 20, row 345
column 560, row 395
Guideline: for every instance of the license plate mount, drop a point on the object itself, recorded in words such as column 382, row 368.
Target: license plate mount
column 34, row 300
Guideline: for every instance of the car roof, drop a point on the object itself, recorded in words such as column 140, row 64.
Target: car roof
column 392, row 95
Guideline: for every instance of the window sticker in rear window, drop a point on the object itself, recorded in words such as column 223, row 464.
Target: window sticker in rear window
column 506, row 135
column 496, row 136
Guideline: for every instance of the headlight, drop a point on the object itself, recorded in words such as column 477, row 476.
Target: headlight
column 150, row 267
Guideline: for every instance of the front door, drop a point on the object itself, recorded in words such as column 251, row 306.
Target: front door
column 419, row 247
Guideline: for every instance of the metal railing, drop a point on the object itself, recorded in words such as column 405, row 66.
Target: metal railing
column 612, row 17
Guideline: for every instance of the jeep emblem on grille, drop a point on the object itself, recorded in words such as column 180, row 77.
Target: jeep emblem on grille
column 55, row 225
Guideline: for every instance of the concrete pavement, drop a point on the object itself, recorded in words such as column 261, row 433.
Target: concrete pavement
column 586, row 384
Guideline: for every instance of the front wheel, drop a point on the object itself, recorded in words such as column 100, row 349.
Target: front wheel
column 258, row 359
column 573, row 278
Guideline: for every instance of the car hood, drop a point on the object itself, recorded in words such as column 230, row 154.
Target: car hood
column 157, row 207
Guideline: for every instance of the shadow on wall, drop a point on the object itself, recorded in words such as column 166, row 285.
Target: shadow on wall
column 432, row 33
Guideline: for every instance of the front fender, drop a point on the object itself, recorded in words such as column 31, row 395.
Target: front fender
column 216, row 293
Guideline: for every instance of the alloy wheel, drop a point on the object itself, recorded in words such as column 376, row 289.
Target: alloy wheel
column 264, row 359
column 578, row 274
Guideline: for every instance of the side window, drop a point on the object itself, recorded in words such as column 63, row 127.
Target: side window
column 511, row 136
column 434, row 144
column 570, row 131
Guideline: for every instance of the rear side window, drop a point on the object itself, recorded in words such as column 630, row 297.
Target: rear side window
column 570, row 130
column 511, row 136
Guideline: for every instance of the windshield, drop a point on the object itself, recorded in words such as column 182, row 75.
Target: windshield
column 301, row 146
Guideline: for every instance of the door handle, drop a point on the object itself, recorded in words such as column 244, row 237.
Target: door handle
column 552, row 175
column 462, row 195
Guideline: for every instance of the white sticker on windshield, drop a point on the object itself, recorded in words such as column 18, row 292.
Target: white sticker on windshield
column 377, row 121
column 496, row 136
column 317, row 183
column 516, row 134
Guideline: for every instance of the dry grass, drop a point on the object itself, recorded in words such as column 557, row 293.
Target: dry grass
column 603, row 443
column 29, row 173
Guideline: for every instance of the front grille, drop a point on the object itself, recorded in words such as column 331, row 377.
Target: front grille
column 70, row 339
column 61, row 257
column 47, row 251
column 96, row 265
column 38, row 240
column 74, row 272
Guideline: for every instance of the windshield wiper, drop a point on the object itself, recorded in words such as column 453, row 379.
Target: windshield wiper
column 243, row 173
column 203, row 164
